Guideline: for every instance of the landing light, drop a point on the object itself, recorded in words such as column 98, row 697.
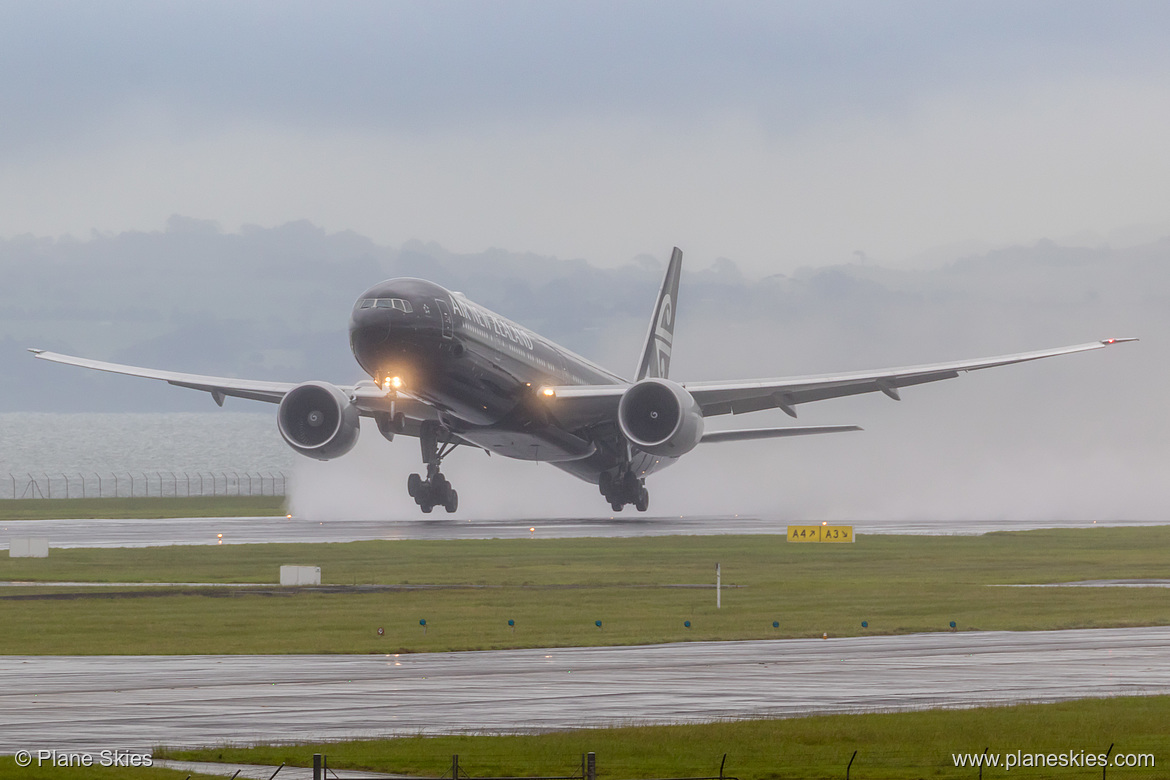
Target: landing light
column 548, row 392
column 392, row 383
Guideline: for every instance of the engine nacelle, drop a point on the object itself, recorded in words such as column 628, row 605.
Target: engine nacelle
column 318, row 420
column 660, row 417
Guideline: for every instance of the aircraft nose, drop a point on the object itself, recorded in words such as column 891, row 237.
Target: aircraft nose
column 370, row 326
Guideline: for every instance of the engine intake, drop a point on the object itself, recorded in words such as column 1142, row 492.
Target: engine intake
column 660, row 417
column 318, row 420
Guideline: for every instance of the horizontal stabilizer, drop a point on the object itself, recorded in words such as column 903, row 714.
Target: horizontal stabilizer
column 774, row 433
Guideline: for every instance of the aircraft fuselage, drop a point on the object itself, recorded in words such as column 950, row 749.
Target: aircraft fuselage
column 482, row 372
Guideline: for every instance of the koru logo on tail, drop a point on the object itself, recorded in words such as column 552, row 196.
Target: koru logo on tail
column 663, row 334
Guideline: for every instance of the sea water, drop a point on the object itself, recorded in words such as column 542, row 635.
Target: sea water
column 45, row 446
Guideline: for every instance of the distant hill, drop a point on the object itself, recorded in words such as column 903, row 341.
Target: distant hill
column 274, row 303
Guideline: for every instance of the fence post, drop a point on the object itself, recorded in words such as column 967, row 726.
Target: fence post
column 317, row 766
column 590, row 766
column 455, row 767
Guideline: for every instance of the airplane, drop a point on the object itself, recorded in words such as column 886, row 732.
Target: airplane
column 451, row 373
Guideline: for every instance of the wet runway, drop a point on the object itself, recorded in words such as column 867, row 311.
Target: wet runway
column 131, row 703
column 260, row 530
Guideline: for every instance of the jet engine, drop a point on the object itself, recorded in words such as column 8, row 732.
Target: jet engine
column 660, row 417
column 318, row 420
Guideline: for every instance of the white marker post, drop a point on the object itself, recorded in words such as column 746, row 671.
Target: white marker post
column 718, row 588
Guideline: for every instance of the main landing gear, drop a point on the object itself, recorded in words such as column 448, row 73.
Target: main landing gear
column 435, row 490
column 623, row 488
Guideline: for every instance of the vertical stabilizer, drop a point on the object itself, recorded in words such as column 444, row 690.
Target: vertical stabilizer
column 655, row 361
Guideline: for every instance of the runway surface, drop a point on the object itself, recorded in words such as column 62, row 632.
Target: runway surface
column 260, row 530
column 132, row 703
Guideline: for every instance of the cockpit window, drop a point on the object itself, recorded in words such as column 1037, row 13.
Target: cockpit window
column 388, row 303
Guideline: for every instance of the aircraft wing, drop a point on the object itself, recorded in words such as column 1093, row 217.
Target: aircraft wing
column 368, row 398
column 585, row 404
column 218, row 386
column 748, row 434
column 716, row 398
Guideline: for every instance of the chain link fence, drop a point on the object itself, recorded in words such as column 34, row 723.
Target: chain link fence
column 128, row 484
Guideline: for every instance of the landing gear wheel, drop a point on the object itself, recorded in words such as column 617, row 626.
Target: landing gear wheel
column 605, row 483
column 616, row 506
column 643, row 502
column 435, row 490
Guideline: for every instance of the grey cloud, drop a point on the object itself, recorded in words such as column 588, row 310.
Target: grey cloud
column 409, row 67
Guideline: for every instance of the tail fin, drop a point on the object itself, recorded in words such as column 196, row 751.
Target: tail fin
column 655, row 360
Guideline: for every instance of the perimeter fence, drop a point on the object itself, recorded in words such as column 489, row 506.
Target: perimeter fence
column 587, row 771
column 129, row 484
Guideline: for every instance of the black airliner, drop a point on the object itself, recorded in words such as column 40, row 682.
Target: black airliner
column 451, row 373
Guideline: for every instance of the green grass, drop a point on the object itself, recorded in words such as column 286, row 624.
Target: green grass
column 556, row 589
column 891, row 745
column 142, row 507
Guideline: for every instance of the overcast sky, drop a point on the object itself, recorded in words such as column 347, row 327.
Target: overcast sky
column 774, row 134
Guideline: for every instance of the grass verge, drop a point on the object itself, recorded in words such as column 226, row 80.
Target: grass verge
column 554, row 590
column 894, row 745
column 139, row 508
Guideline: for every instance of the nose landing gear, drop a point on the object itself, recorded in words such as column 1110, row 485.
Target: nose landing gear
column 435, row 490
column 622, row 488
